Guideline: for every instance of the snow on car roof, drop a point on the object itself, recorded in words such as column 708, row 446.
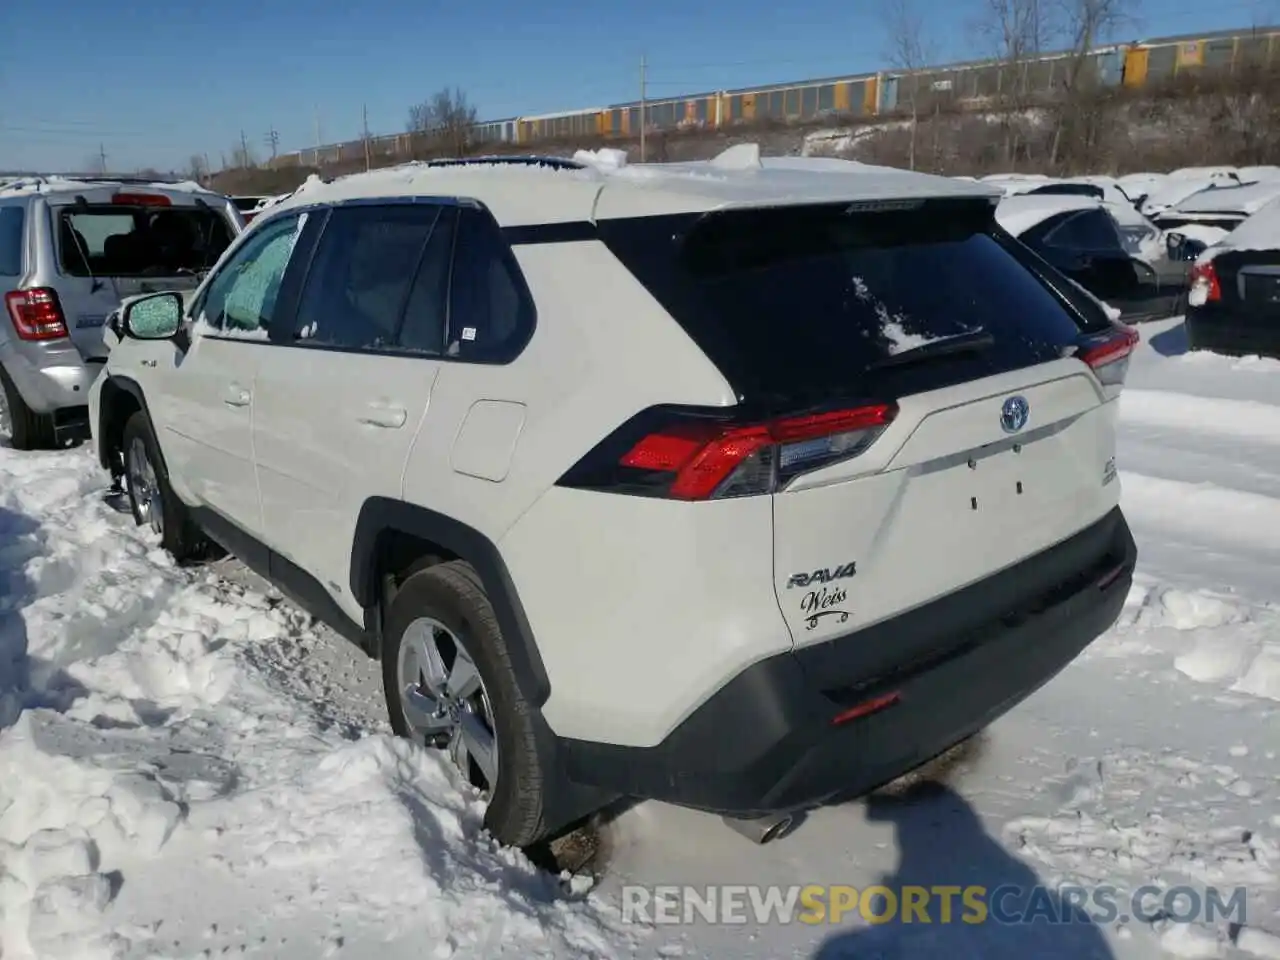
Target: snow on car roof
column 85, row 185
column 1247, row 199
column 1019, row 213
column 1174, row 190
column 593, row 187
column 1260, row 232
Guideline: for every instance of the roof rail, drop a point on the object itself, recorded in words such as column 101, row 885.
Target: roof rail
column 554, row 163
column 110, row 178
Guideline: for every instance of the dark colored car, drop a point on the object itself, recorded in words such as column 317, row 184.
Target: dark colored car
column 1233, row 305
column 1084, row 243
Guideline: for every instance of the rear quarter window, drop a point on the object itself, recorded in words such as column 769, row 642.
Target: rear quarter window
column 12, row 219
column 1081, row 230
column 802, row 304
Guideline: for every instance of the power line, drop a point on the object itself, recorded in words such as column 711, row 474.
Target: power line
column 643, row 93
column 364, row 126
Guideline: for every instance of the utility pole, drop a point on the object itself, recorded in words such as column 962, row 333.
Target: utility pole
column 102, row 159
column 273, row 142
column 244, row 151
column 643, row 92
column 318, row 144
column 364, row 123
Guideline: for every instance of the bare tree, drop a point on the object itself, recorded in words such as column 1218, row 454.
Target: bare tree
column 1016, row 32
column 196, row 168
column 443, row 123
column 910, row 52
column 1083, row 24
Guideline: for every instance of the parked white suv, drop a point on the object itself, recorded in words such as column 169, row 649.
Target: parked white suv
column 70, row 249
column 735, row 485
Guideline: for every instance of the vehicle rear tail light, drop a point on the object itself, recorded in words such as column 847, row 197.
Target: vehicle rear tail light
column 36, row 314
column 247, row 217
column 1204, row 287
column 696, row 458
column 1108, row 355
column 141, row 199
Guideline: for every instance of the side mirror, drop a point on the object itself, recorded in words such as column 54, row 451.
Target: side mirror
column 156, row 317
column 1180, row 247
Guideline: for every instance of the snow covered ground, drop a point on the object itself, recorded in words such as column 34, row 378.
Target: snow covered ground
column 189, row 768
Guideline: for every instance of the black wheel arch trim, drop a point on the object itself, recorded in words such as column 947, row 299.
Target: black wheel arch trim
column 381, row 515
column 131, row 387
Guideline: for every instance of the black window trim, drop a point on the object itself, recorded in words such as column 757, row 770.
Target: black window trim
column 284, row 324
column 284, row 319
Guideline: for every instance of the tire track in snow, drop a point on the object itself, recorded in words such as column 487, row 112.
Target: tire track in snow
column 1206, row 513
column 1248, row 420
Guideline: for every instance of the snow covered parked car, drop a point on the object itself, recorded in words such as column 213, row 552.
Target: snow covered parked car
column 1201, row 220
column 1079, row 236
column 1233, row 305
column 741, row 485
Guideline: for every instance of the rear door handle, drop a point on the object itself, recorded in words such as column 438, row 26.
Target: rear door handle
column 236, row 396
column 384, row 415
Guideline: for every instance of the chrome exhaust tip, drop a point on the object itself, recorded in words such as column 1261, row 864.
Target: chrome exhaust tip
column 760, row 830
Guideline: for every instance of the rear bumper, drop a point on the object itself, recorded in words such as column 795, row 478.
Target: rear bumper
column 766, row 742
column 52, row 378
column 1234, row 330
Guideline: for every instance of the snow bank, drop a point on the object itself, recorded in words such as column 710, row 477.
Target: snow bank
column 604, row 157
column 178, row 773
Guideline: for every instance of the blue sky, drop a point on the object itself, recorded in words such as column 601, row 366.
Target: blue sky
column 152, row 82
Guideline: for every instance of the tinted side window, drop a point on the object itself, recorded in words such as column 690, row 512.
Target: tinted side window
column 242, row 295
column 372, row 264
column 422, row 329
column 1087, row 230
column 11, row 219
column 491, row 314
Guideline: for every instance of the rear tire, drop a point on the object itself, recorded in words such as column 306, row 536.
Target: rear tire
column 151, row 499
column 449, row 603
column 27, row 429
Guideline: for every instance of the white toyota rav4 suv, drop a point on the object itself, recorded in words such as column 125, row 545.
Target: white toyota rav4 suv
column 745, row 485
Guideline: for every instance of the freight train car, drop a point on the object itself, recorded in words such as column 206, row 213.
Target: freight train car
column 961, row 85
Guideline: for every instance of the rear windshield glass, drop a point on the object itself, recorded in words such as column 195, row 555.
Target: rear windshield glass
column 122, row 241
column 1070, row 190
column 807, row 302
column 245, row 203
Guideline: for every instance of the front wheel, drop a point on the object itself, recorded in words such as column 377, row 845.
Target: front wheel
column 151, row 499
column 449, row 684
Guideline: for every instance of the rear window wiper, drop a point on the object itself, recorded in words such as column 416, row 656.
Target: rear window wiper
column 969, row 342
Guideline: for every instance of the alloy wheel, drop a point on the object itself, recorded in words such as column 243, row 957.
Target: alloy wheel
column 444, row 700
